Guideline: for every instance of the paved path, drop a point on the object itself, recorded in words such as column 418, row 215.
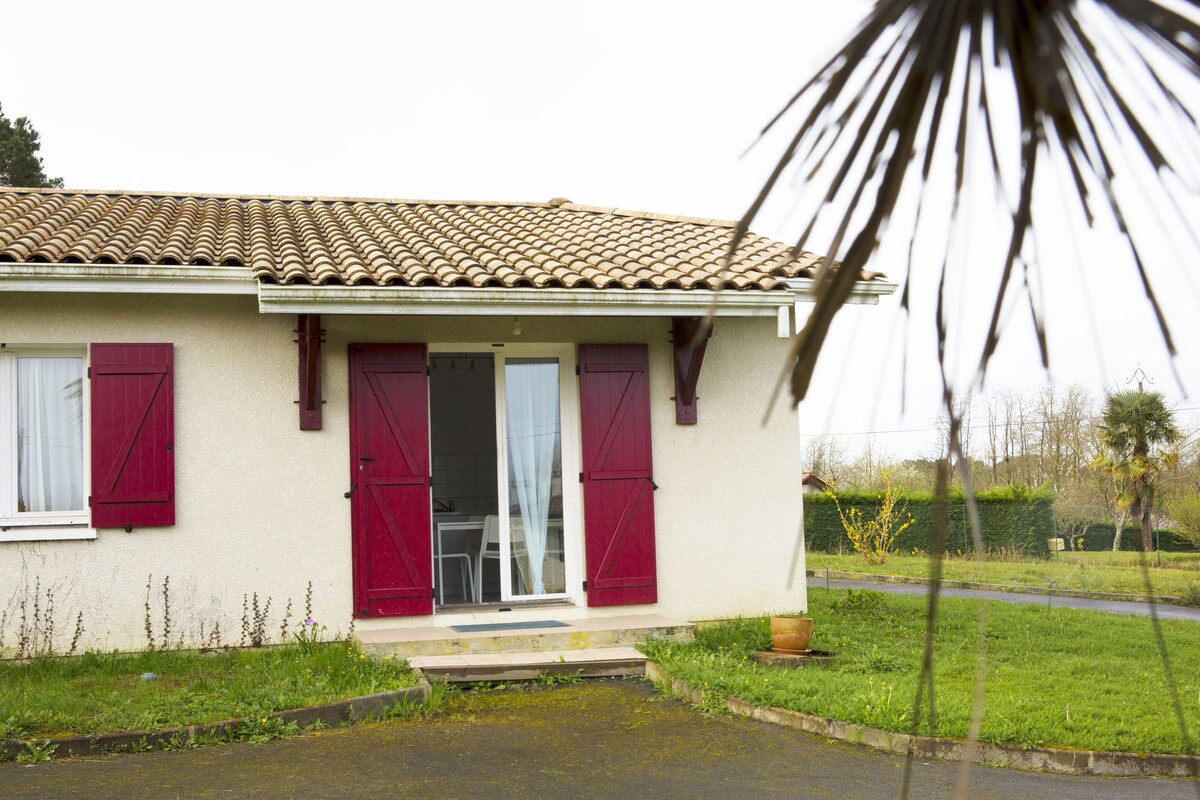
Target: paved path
column 610, row 739
column 1057, row 601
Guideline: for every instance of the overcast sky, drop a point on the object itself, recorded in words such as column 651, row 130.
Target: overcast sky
column 638, row 105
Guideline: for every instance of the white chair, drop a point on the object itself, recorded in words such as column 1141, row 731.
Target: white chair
column 489, row 547
column 465, row 570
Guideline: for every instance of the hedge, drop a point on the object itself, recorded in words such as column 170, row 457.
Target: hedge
column 1012, row 522
column 1099, row 536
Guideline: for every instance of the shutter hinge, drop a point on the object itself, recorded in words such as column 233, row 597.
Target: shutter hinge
column 585, row 586
column 89, row 501
column 431, row 481
column 89, row 373
column 576, row 369
column 433, row 592
column 428, row 371
column 581, row 477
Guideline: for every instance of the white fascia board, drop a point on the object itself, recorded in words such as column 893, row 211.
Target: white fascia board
column 454, row 301
column 126, row 278
column 866, row 293
column 442, row 301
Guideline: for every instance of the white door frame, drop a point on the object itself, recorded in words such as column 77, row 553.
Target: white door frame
column 571, row 454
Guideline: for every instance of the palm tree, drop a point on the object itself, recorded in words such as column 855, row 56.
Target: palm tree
column 1090, row 100
column 1084, row 106
column 1137, row 431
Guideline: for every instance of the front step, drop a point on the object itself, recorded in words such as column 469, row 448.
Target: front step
column 593, row 662
column 574, row 635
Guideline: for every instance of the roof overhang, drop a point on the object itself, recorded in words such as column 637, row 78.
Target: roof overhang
column 125, row 278
column 412, row 300
column 450, row 301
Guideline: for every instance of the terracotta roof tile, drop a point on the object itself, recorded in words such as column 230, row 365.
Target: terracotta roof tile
column 392, row 242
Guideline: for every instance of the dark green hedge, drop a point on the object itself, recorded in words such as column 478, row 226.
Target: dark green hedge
column 1015, row 522
column 1100, row 537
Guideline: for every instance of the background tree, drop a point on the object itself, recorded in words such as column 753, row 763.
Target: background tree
column 1137, row 432
column 20, row 164
column 1185, row 512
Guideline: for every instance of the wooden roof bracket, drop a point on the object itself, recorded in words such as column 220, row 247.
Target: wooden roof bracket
column 308, row 338
column 689, row 336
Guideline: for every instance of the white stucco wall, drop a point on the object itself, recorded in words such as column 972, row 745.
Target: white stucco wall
column 259, row 503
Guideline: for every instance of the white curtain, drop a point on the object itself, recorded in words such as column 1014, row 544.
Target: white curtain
column 50, row 434
column 531, row 396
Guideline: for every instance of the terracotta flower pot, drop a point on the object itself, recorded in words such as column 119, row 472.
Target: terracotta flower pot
column 791, row 634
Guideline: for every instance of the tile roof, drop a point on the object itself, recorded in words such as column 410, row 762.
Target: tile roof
column 391, row 242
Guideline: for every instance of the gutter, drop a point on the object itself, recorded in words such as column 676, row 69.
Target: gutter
column 470, row 301
column 415, row 300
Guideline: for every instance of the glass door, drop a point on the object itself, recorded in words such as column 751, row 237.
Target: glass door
column 533, row 440
column 505, row 526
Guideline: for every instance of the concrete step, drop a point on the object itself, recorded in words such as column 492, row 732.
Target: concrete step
column 574, row 634
column 590, row 662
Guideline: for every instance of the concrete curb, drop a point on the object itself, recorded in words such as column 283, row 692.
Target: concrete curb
column 1046, row 759
column 991, row 587
column 350, row 710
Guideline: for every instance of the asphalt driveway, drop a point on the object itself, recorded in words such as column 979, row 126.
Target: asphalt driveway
column 1165, row 610
column 607, row 739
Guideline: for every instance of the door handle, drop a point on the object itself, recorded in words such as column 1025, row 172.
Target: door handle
column 351, row 492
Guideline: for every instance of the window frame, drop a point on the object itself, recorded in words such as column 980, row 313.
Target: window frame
column 30, row 525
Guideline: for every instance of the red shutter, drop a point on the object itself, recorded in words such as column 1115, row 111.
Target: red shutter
column 389, row 470
column 618, row 489
column 133, row 435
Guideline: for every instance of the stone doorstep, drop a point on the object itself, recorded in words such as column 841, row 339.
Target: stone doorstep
column 596, row 662
column 578, row 634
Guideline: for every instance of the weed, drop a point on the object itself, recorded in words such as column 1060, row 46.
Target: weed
column 877, row 661
column 258, row 627
column 16, row 726
column 316, row 725
column 712, row 704
column 557, row 679
column 35, row 752
column 287, row 617
column 1190, row 595
column 35, row 623
column 865, row 601
column 259, row 729
column 149, row 627
column 166, row 596
column 489, row 686
column 78, row 633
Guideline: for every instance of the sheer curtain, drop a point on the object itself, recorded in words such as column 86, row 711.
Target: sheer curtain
column 531, row 397
column 50, row 434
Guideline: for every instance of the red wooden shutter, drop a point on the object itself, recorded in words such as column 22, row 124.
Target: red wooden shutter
column 618, row 489
column 389, row 470
column 133, row 435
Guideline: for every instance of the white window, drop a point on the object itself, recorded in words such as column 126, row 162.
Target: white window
column 43, row 442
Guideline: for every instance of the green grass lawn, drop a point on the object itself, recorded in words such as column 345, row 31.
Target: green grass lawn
column 1061, row 677
column 100, row 693
column 1178, row 576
